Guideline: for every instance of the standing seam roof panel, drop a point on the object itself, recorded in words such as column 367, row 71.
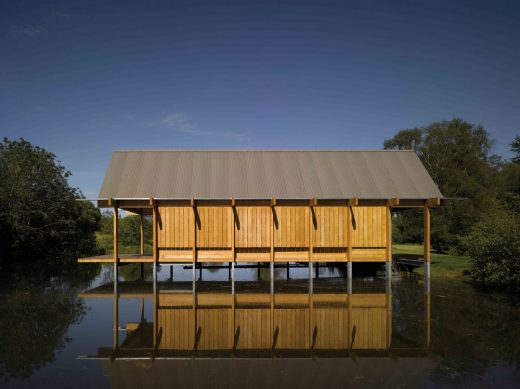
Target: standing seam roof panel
column 267, row 174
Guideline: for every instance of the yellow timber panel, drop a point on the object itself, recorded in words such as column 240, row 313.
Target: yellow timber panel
column 177, row 328
column 330, row 226
column 175, row 227
column 331, row 327
column 293, row 226
column 254, row 325
column 369, row 226
column 216, row 328
column 253, row 227
column 369, row 328
column 214, row 228
column 291, row 327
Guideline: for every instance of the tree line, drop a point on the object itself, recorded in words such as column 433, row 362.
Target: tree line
column 481, row 216
column 45, row 226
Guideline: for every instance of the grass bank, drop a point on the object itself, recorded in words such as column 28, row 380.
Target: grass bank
column 445, row 266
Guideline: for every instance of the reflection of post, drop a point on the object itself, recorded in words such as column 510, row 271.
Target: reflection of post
column 349, row 319
column 427, row 327
column 194, row 291
column 388, row 320
column 155, row 311
column 116, row 316
column 311, row 330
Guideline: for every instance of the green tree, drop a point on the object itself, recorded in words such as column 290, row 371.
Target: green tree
column 494, row 247
column 405, row 140
column 515, row 147
column 457, row 156
column 129, row 228
column 43, row 226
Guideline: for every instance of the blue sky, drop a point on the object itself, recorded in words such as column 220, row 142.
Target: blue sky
column 84, row 78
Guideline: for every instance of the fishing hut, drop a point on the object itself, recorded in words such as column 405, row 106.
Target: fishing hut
column 273, row 206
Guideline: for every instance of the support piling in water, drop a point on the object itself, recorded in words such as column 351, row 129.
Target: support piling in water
column 233, row 277
column 388, row 276
column 349, row 277
column 193, row 275
column 271, row 276
column 311, row 285
column 427, row 269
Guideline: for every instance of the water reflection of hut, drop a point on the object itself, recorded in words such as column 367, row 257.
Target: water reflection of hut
column 267, row 206
column 205, row 322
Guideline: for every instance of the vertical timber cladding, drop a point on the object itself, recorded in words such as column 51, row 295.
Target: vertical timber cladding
column 252, row 233
column 369, row 233
column 328, row 230
column 175, row 234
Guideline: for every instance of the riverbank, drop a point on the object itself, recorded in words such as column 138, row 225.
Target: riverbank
column 442, row 266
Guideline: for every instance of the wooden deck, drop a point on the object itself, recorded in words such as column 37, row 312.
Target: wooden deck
column 122, row 258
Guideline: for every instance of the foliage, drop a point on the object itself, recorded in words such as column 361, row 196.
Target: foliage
column 129, row 233
column 494, row 246
column 32, row 337
column 515, row 147
column 42, row 225
column 457, row 156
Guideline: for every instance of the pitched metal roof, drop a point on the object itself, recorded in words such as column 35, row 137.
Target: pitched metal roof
column 252, row 174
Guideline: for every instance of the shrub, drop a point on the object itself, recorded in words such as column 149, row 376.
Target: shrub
column 494, row 247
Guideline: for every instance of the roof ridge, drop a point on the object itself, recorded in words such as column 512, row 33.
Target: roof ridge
column 263, row 150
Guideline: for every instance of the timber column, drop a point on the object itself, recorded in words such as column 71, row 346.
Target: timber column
column 350, row 232
column 426, row 244
column 155, row 234
column 116, row 240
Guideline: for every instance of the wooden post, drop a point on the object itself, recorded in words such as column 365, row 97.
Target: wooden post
column 311, row 227
column 153, row 203
column 141, row 251
column 116, row 230
column 271, row 264
column 349, row 248
column 273, row 203
column 350, row 231
column 426, row 244
column 194, row 248
column 389, row 233
column 233, row 254
column 388, row 267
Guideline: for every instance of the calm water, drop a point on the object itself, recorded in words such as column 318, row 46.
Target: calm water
column 80, row 333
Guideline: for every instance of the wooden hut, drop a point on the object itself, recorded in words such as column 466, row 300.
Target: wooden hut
column 267, row 206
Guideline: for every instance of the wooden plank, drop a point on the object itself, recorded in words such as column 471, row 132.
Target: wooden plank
column 388, row 239
column 369, row 254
